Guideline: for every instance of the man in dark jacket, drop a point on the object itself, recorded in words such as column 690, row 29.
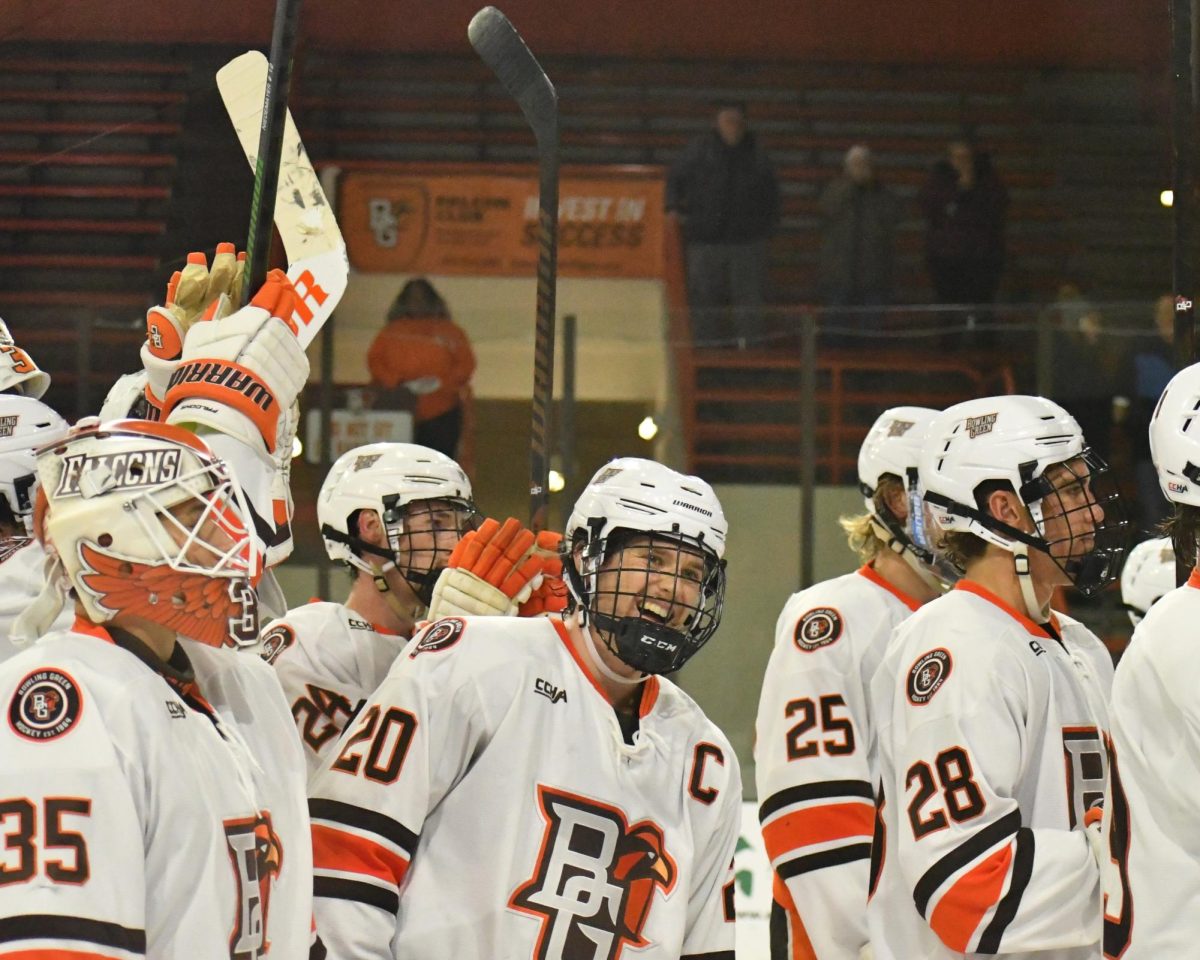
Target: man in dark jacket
column 965, row 205
column 724, row 191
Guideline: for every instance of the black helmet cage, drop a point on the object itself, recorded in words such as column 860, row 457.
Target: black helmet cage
column 650, row 642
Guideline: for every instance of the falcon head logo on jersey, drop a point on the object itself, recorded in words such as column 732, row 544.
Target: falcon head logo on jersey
column 596, row 879
column 257, row 857
column 898, row 428
column 978, row 426
column 927, row 675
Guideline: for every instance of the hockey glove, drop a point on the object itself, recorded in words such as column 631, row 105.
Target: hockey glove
column 550, row 596
column 491, row 572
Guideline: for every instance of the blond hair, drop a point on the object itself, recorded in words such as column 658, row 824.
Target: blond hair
column 860, row 528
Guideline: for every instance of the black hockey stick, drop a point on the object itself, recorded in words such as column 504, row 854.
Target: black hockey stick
column 501, row 48
column 270, row 144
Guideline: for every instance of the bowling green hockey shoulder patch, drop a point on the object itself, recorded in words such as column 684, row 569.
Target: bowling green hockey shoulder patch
column 46, row 705
column 818, row 628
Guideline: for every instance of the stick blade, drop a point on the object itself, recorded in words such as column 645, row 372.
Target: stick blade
column 499, row 45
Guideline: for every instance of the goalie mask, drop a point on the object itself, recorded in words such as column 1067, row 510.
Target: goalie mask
column 1148, row 576
column 148, row 523
column 25, row 425
column 646, row 565
column 1035, row 448
column 422, row 497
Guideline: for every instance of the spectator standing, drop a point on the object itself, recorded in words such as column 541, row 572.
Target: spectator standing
column 422, row 350
column 859, row 216
column 965, row 205
column 724, row 191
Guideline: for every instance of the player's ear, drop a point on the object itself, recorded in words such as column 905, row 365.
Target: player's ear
column 1006, row 507
column 895, row 499
column 370, row 528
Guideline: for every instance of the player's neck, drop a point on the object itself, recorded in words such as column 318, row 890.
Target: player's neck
column 398, row 615
column 158, row 639
column 623, row 696
column 995, row 572
column 896, row 571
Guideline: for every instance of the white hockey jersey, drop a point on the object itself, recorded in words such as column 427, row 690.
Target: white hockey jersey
column 815, row 760
column 21, row 579
column 328, row 661
column 1152, row 880
column 143, row 817
column 484, row 805
column 990, row 735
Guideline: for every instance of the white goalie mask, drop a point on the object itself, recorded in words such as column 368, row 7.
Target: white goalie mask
column 25, row 425
column 1033, row 446
column 1148, row 576
column 148, row 523
column 18, row 373
column 422, row 497
column 646, row 562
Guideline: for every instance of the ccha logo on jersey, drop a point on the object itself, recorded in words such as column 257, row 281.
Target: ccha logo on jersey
column 8, row 426
column 596, row 879
column 257, row 857
column 978, row 426
column 275, row 640
column 818, row 628
column 46, row 705
column 548, row 690
column 130, row 470
column 927, row 675
column 441, row 635
column 898, row 428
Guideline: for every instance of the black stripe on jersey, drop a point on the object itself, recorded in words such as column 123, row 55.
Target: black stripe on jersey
column 317, row 951
column 370, row 820
column 1022, row 870
column 779, row 932
column 57, row 927
column 827, row 858
column 814, row 791
column 335, row 888
column 718, row 955
column 970, row 849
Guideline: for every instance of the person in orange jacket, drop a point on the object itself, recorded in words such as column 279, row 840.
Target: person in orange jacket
column 424, row 351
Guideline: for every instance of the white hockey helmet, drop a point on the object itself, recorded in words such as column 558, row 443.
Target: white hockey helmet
column 1149, row 574
column 632, row 496
column 1175, row 438
column 1016, row 440
column 391, row 479
column 18, row 373
column 25, row 425
column 146, row 521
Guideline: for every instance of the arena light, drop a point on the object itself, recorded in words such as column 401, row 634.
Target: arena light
column 1167, row 198
column 648, row 429
column 297, row 447
column 556, row 481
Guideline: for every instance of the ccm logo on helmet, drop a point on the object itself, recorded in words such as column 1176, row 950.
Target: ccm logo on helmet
column 125, row 471
column 691, row 506
column 977, row 426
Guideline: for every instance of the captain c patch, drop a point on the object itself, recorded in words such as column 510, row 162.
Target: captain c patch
column 818, row 628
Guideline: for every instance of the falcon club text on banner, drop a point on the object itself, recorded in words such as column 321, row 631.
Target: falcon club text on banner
column 467, row 220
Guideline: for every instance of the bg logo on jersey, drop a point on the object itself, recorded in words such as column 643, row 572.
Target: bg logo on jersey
column 257, row 856
column 596, row 879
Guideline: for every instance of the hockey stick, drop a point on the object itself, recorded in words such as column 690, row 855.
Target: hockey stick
column 270, row 142
column 501, row 48
column 313, row 242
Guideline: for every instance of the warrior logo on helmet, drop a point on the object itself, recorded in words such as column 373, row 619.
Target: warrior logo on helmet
column 595, row 881
column 257, row 857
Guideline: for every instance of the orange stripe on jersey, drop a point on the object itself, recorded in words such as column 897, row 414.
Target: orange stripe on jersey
column 347, row 852
column 959, row 912
column 799, row 946
column 831, row 821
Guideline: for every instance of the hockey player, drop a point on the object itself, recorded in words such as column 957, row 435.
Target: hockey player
column 19, row 375
column 990, row 706
column 25, row 424
column 1152, row 862
column 535, row 787
column 151, row 785
column 814, row 757
column 1149, row 575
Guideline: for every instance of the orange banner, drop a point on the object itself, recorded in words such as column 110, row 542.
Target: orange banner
column 485, row 224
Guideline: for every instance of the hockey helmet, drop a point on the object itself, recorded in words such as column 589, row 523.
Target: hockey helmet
column 25, row 425
column 1149, row 574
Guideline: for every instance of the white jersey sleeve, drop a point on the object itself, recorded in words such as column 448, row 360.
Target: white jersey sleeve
column 815, row 766
column 710, row 912
column 986, row 709
column 1151, row 879
column 22, row 576
column 424, row 722
column 72, row 874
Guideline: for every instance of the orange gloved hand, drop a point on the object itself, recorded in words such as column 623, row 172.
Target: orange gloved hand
column 491, row 572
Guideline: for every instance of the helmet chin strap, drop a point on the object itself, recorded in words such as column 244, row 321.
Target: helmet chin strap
column 1039, row 612
column 379, row 576
column 901, row 546
column 592, row 652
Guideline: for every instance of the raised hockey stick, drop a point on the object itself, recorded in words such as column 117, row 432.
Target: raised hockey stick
column 501, row 48
column 270, row 141
column 313, row 242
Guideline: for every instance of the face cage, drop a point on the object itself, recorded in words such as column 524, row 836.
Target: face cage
column 420, row 538
column 647, row 641
column 1094, row 552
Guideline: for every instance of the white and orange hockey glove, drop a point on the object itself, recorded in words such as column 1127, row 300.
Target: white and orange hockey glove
column 493, row 571
column 193, row 293
column 18, row 373
column 550, row 596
